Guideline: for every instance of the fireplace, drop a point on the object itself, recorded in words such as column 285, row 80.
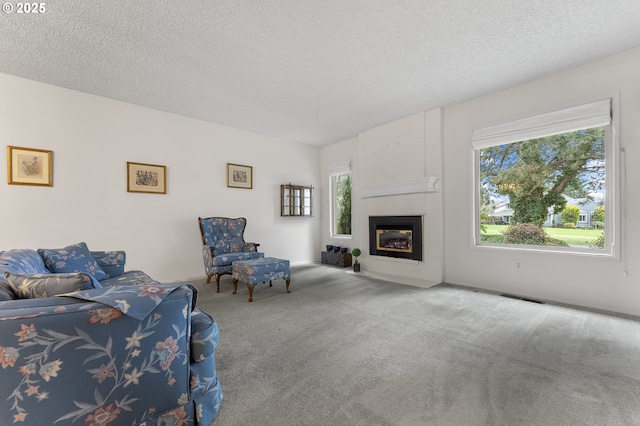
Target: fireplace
column 396, row 236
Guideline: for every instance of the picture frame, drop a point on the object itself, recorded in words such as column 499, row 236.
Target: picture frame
column 146, row 178
column 29, row 166
column 239, row 176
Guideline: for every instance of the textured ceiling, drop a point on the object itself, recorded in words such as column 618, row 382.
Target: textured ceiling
column 310, row 71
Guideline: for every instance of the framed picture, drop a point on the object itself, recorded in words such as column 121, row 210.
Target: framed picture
column 239, row 176
column 29, row 166
column 147, row 178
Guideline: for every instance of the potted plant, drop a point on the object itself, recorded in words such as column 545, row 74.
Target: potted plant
column 356, row 265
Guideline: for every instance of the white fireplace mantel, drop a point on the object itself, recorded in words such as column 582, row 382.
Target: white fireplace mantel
column 425, row 184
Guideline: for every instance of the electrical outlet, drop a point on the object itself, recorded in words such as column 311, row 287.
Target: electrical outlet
column 518, row 264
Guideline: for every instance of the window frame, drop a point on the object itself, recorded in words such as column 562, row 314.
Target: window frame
column 337, row 169
column 613, row 199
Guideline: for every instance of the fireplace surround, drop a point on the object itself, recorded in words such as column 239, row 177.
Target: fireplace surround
column 396, row 236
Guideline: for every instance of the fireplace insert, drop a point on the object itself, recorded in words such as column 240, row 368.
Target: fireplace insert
column 396, row 236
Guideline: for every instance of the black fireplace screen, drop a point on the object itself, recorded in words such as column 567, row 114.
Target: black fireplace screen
column 396, row 236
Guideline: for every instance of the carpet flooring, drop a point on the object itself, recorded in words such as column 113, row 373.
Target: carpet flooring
column 343, row 349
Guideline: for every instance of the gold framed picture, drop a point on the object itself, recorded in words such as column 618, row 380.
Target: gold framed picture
column 147, row 178
column 29, row 166
column 239, row 176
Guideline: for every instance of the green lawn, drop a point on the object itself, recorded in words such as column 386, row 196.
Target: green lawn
column 573, row 237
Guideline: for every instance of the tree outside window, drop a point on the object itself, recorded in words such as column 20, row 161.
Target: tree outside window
column 341, row 185
column 536, row 176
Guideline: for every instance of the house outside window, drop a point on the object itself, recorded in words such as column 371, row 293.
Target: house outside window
column 340, row 199
column 528, row 171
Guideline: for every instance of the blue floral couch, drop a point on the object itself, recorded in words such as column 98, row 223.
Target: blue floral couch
column 84, row 343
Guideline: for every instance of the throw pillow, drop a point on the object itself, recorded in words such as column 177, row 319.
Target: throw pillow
column 73, row 258
column 31, row 286
column 6, row 293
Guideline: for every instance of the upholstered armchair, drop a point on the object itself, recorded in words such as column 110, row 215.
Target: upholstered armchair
column 223, row 243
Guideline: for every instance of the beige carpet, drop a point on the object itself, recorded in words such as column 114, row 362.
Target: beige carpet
column 342, row 349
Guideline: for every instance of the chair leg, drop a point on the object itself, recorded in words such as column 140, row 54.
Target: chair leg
column 288, row 280
column 209, row 278
column 218, row 282
column 235, row 285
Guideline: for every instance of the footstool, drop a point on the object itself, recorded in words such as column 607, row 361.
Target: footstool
column 255, row 271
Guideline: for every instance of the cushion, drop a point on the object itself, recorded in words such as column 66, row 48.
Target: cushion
column 5, row 292
column 32, row 286
column 21, row 261
column 73, row 258
column 229, row 258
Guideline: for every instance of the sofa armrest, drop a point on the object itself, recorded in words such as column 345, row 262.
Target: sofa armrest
column 111, row 262
column 125, row 367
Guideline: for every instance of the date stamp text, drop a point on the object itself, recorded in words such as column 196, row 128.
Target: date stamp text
column 24, row 8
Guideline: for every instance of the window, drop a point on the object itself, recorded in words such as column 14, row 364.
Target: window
column 340, row 176
column 552, row 172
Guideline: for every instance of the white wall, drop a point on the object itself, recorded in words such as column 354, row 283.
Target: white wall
column 400, row 151
column 598, row 283
column 93, row 138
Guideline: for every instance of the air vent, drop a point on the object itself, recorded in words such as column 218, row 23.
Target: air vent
column 511, row 296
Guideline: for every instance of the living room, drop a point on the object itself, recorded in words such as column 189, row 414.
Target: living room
column 446, row 353
column 93, row 138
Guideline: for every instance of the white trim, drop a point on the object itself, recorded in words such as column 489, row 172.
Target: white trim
column 340, row 168
column 585, row 116
column 425, row 184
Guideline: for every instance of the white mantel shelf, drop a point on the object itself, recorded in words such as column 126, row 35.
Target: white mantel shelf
column 425, row 184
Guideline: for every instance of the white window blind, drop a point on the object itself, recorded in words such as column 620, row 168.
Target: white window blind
column 340, row 168
column 580, row 117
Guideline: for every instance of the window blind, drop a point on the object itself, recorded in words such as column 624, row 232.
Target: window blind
column 580, row 117
column 340, row 168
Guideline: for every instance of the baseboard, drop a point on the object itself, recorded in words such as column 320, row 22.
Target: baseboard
column 395, row 279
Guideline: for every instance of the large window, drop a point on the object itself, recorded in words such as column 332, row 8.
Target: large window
column 547, row 182
column 340, row 175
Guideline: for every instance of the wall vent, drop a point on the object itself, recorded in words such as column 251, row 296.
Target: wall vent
column 512, row 296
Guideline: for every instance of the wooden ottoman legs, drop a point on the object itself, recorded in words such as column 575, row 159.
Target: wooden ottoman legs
column 250, row 287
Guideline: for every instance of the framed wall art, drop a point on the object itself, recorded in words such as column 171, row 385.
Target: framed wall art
column 239, row 176
column 29, row 166
column 147, row 178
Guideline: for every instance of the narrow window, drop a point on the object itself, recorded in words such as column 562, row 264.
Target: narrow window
column 340, row 198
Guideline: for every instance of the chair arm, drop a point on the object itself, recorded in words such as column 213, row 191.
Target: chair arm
column 250, row 247
column 208, row 253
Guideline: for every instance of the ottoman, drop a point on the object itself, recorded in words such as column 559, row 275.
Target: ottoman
column 255, row 271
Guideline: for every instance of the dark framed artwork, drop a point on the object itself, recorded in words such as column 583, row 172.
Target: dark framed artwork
column 239, row 176
column 146, row 178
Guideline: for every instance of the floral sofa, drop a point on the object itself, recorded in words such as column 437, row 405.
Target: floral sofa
column 83, row 342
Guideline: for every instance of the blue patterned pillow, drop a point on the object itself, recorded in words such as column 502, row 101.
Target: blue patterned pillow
column 74, row 258
column 6, row 293
column 31, row 286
